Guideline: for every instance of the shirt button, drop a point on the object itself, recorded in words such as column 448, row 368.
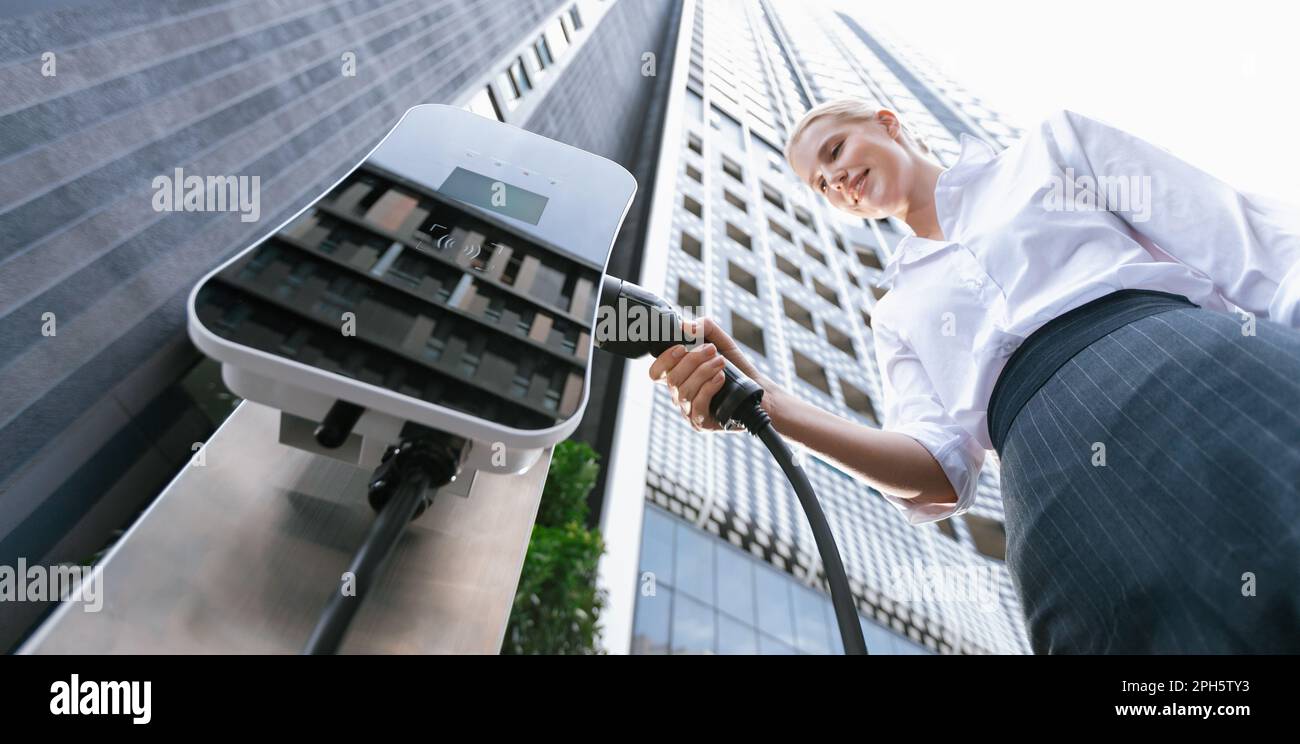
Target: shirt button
column 975, row 283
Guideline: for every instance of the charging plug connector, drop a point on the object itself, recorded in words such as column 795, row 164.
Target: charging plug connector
column 401, row 488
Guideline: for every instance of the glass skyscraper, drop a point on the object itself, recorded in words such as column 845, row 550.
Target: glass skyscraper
column 709, row 550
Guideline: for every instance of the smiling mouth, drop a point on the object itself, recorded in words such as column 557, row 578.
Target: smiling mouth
column 858, row 183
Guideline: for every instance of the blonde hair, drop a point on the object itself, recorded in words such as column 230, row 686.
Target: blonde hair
column 846, row 108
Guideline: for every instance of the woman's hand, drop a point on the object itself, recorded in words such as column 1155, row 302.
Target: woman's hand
column 885, row 460
column 695, row 375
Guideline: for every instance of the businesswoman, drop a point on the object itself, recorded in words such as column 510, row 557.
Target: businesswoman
column 1119, row 327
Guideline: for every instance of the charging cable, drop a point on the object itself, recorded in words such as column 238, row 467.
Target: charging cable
column 400, row 490
column 739, row 402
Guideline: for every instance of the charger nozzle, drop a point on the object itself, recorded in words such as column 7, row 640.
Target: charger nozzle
column 633, row 321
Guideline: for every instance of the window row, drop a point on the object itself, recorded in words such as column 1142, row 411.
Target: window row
column 517, row 80
column 769, row 192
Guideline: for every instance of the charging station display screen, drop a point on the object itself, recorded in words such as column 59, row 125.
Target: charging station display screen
column 385, row 281
column 494, row 194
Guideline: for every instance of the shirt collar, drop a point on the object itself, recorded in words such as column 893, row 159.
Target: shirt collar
column 974, row 151
column 909, row 249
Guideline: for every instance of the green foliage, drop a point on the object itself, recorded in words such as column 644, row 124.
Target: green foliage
column 574, row 468
column 557, row 606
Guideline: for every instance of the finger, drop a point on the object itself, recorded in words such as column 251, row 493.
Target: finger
column 679, row 375
column 701, row 375
column 689, row 363
column 701, row 331
column 720, row 338
column 665, row 362
column 700, row 416
column 691, row 333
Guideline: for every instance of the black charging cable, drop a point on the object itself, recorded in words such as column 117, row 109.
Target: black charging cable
column 400, row 490
column 756, row 421
column 738, row 402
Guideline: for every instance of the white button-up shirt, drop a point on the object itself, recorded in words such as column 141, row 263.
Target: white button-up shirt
column 1073, row 211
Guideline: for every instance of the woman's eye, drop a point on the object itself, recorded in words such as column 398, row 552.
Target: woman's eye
column 823, row 185
column 835, row 151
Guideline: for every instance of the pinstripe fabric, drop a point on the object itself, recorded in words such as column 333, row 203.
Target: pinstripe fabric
column 1185, row 538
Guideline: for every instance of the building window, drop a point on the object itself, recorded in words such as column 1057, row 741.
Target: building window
column 866, row 318
column 804, row 218
column 826, row 292
column 484, row 103
column 798, row 313
column 533, row 63
column 738, row 235
column 747, row 333
column 735, row 201
column 543, row 52
column 777, row 228
column 946, row 528
column 814, row 254
column 508, row 88
column 691, row 246
column 575, row 18
column 695, row 104
column 694, row 142
column 688, row 295
column 868, row 257
column 692, row 206
column 788, row 268
column 519, row 76
column 878, row 292
column 859, row 402
column 839, row 339
column 742, row 278
column 557, row 38
column 694, row 173
column 724, row 122
column 989, row 536
column 732, row 169
column 810, row 372
column 773, row 197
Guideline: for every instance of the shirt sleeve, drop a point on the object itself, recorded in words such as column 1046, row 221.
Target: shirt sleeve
column 1248, row 246
column 912, row 407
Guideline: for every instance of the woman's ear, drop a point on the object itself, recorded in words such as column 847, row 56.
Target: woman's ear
column 889, row 120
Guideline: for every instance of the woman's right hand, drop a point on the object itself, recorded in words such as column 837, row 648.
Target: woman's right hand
column 694, row 375
column 887, row 461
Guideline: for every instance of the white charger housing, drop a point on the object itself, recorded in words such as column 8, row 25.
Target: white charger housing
column 450, row 280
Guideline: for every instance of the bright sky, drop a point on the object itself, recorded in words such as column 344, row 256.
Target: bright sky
column 1213, row 82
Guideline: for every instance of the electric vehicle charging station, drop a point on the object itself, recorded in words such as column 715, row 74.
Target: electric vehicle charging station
column 450, row 281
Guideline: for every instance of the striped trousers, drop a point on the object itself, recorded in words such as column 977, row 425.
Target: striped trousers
column 1152, row 491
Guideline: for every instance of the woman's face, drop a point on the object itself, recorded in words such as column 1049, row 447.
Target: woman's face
column 859, row 166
